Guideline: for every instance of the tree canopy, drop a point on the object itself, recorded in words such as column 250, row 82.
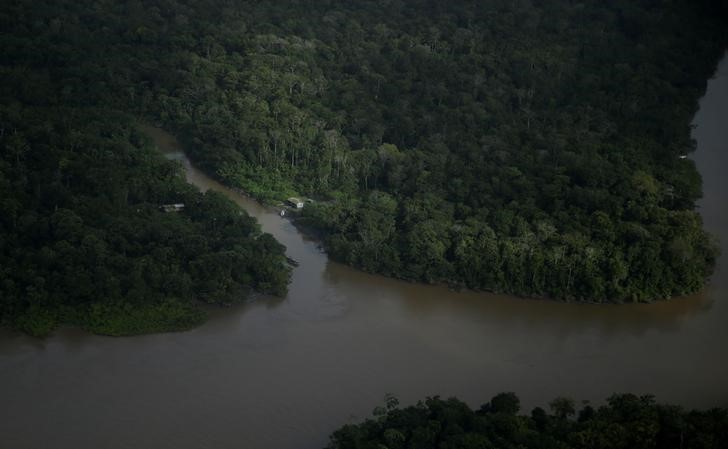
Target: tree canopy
column 83, row 240
column 530, row 147
column 626, row 421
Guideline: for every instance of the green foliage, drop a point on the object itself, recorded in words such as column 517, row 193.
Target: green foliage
column 562, row 408
column 505, row 403
column 83, row 240
column 122, row 319
column 514, row 146
column 36, row 321
column 625, row 422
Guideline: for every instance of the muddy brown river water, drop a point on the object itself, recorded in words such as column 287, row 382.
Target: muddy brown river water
column 284, row 373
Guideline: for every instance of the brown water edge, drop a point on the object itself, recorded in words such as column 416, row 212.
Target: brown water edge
column 283, row 373
column 172, row 149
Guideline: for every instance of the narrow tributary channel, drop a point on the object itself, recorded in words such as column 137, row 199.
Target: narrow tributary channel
column 284, row 373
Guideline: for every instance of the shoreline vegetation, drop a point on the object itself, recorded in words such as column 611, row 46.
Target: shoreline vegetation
column 318, row 235
column 531, row 148
column 561, row 174
column 625, row 421
column 86, row 241
column 576, row 186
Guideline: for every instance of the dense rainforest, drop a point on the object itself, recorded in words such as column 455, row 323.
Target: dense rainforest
column 530, row 147
column 625, row 422
column 83, row 240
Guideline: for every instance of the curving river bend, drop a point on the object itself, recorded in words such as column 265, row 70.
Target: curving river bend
column 284, row 373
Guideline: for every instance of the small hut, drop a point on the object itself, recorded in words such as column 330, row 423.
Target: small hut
column 177, row 207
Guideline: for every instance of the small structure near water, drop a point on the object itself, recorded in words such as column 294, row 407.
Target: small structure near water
column 177, row 207
column 295, row 203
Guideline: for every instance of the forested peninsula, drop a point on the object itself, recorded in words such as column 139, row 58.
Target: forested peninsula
column 530, row 147
column 626, row 421
column 85, row 237
column 83, row 240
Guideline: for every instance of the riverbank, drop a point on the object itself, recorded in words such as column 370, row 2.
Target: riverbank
column 301, row 223
column 575, row 263
column 349, row 337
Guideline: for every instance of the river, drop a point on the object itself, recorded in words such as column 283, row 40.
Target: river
column 284, row 373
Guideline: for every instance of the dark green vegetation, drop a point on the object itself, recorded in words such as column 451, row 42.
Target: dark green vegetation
column 516, row 146
column 82, row 239
column 626, row 422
